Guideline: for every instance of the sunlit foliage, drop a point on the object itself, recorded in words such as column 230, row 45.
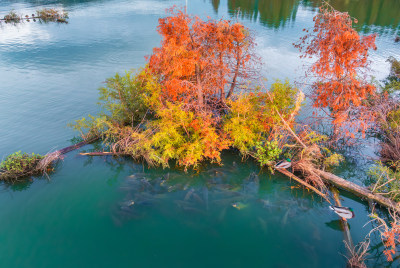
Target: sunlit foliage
column 200, row 63
column 18, row 165
column 341, row 55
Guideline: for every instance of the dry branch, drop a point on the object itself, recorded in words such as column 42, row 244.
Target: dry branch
column 292, row 176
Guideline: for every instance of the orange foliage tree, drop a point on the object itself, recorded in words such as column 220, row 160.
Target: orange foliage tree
column 342, row 54
column 200, row 63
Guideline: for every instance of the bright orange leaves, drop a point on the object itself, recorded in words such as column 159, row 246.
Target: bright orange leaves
column 341, row 55
column 391, row 237
column 200, row 62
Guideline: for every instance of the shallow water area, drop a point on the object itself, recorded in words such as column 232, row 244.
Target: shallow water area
column 102, row 211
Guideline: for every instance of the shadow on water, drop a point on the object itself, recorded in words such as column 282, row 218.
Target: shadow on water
column 379, row 16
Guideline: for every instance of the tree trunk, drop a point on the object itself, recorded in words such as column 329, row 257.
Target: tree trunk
column 200, row 99
column 235, row 75
column 221, row 75
column 357, row 190
column 101, row 153
column 76, row 146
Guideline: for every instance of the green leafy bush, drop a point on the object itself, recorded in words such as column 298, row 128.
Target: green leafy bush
column 19, row 165
column 126, row 99
column 267, row 153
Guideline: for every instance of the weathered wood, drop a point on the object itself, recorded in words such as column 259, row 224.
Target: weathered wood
column 292, row 176
column 76, row 146
column 357, row 190
column 101, row 153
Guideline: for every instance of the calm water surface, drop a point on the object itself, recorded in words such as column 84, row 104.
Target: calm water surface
column 102, row 212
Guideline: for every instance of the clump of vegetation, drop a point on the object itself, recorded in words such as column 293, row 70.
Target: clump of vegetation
column 12, row 17
column 51, row 14
column 137, row 122
column 267, row 153
column 19, row 165
column 392, row 82
column 333, row 160
column 43, row 15
column 390, row 135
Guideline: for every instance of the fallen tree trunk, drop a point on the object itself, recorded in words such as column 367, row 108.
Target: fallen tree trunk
column 76, row 146
column 56, row 155
column 101, row 153
column 357, row 190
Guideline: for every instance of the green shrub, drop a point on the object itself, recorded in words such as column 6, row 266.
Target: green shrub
column 267, row 152
column 19, row 165
column 126, row 99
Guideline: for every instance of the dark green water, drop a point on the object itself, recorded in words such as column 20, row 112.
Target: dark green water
column 83, row 216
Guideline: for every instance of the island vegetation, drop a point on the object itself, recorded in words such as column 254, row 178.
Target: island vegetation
column 43, row 15
column 200, row 93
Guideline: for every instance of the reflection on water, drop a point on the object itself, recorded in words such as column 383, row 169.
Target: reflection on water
column 383, row 14
column 372, row 15
column 272, row 13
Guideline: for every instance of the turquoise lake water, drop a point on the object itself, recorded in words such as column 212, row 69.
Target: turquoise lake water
column 83, row 216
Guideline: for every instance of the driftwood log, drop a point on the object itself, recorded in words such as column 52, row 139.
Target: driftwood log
column 56, row 155
column 348, row 186
column 76, row 146
column 357, row 190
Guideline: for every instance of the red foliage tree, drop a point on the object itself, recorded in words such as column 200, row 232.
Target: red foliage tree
column 341, row 56
column 200, row 61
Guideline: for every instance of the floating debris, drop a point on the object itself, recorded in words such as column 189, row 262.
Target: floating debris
column 43, row 15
